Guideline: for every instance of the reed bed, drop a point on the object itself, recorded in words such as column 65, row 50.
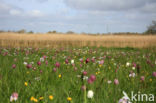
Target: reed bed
column 79, row 40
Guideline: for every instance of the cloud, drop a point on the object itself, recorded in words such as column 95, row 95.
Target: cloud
column 109, row 5
column 77, row 15
column 15, row 12
column 35, row 13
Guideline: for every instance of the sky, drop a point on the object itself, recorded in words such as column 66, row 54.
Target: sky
column 90, row 16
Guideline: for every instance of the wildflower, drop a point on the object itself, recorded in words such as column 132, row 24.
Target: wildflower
column 59, row 75
column 134, row 65
column 93, row 60
column 54, row 69
column 57, row 64
column 132, row 75
column 66, row 61
column 31, row 62
column 81, row 65
column 154, row 74
column 41, row 98
column 90, row 94
column 83, row 87
column 25, row 83
column 29, row 66
column 127, row 64
column 14, row 66
column 101, row 62
column 35, row 100
column 133, row 68
column 84, row 72
column 142, row 78
column 124, row 99
column 72, row 61
column 34, row 68
column 87, row 60
column 69, row 98
column 37, row 78
column 79, row 76
column 90, row 81
column 51, row 97
column 25, row 63
column 75, row 68
column 42, row 59
column 109, row 81
column 116, row 81
column 93, row 77
column 81, row 60
column 32, row 98
column 14, row 97
column 39, row 63
column 46, row 62
column 150, row 80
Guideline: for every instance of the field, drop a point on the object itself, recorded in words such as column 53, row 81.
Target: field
column 76, row 40
column 70, row 68
column 65, row 75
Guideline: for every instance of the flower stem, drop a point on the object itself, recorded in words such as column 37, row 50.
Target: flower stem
column 85, row 99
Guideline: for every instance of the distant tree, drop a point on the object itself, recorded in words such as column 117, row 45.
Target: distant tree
column 152, row 28
column 31, row 32
column 54, row 31
column 21, row 31
column 70, row 32
column 1, row 31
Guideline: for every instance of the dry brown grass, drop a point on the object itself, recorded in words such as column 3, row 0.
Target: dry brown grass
column 68, row 40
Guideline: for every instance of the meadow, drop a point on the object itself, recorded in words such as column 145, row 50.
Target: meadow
column 76, row 75
column 68, row 68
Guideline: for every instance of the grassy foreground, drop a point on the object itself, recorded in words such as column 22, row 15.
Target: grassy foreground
column 61, row 75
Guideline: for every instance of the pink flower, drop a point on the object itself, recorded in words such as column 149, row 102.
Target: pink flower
column 134, row 65
column 44, row 57
column 81, row 60
column 14, row 97
column 75, row 68
column 66, row 61
column 154, row 74
column 83, row 87
column 90, row 81
column 57, row 64
column 93, row 60
column 46, row 62
column 93, row 77
column 142, row 78
column 81, row 65
column 101, row 62
column 29, row 66
column 41, row 71
column 14, row 66
column 116, row 81
column 15, row 59
column 5, row 53
column 87, row 60
column 39, row 63
column 54, row 69
column 84, row 72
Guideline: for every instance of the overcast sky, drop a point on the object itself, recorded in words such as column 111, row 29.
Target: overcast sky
column 93, row 16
